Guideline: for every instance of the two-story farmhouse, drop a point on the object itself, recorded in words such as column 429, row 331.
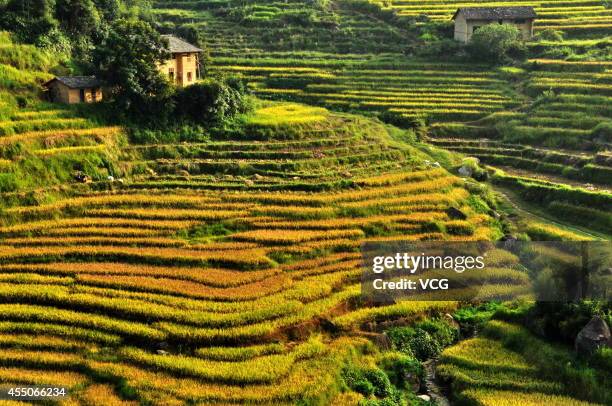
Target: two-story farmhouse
column 183, row 66
column 469, row 19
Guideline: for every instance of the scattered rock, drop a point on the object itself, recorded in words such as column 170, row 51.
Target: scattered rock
column 184, row 173
column 595, row 335
column 162, row 352
column 496, row 215
column 509, row 241
column 110, row 178
column 436, row 165
column 465, row 171
column 258, row 176
column 425, row 398
column 455, row 214
column 249, row 182
column 347, row 174
column 296, row 178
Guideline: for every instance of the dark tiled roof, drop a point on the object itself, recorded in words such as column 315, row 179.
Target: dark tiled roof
column 176, row 45
column 77, row 82
column 496, row 13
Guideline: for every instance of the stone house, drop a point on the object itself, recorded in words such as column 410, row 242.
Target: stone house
column 74, row 89
column 469, row 19
column 183, row 67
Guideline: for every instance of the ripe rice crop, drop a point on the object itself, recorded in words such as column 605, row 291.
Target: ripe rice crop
column 173, row 286
column 170, row 214
column 39, row 226
column 401, row 309
column 491, row 397
column 267, row 368
column 212, row 276
column 293, row 236
column 48, row 314
column 239, row 353
column 87, row 335
column 245, row 258
column 41, row 377
column 59, row 134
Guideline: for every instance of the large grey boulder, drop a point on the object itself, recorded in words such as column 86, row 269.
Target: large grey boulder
column 595, row 335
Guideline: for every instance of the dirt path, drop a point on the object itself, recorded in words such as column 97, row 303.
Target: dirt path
column 434, row 390
column 524, row 212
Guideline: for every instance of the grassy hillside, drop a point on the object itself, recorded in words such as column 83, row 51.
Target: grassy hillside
column 44, row 145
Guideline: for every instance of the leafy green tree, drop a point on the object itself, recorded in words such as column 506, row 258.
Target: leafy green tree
column 497, row 43
column 29, row 19
column 127, row 60
column 78, row 17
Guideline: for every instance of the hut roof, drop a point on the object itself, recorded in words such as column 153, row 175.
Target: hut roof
column 77, row 82
column 177, row 45
column 496, row 13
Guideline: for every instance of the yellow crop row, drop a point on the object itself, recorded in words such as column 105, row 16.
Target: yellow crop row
column 281, row 236
column 37, row 226
column 212, row 276
column 254, row 258
column 187, row 288
column 60, row 134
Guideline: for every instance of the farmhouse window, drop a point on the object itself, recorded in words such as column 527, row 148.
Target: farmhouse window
column 171, row 73
column 188, row 76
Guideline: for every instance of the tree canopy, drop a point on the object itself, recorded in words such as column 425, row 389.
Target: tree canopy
column 127, row 60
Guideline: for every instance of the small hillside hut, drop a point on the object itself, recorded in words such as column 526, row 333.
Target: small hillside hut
column 183, row 67
column 74, row 89
column 469, row 19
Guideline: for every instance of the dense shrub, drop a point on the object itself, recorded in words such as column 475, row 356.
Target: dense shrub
column 400, row 367
column 213, row 101
column 423, row 341
column 549, row 35
column 497, row 43
column 8, row 182
column 603, row 132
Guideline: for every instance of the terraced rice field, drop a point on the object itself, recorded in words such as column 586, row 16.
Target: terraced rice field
column 356, row 66
column 205, row 277
column 493, row 370
column 561, row 139
column 410, row 90
column 576, row 17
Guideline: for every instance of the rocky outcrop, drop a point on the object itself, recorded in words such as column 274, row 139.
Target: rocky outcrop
column 595, row 335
